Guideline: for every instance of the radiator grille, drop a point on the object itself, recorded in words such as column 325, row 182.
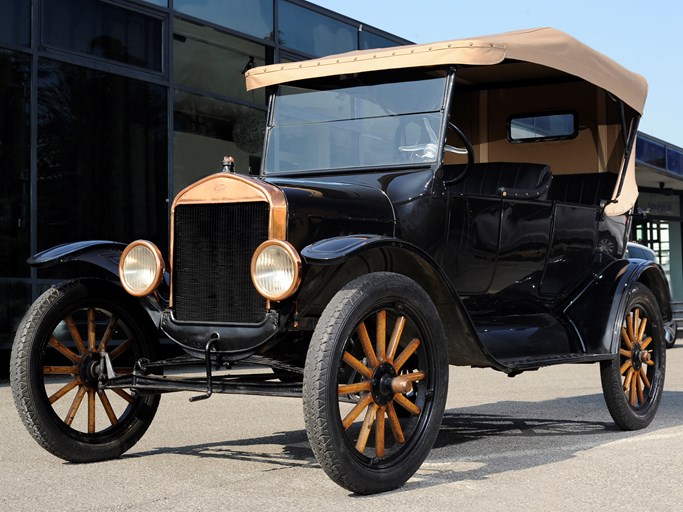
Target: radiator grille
column 213, row 246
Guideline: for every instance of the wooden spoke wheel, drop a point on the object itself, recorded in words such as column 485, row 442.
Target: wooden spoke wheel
column 375, row 383
column 633, row 381
column 61, row 344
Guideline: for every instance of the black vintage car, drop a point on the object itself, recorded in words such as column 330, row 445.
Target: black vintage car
column 465, row 202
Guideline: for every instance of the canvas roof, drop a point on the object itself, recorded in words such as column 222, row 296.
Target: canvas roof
column 542, row 46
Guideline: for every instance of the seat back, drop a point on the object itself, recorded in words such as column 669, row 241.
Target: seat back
column 586, row 189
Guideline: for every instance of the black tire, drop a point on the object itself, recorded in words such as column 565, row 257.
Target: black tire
column 53, row 361
column 632, row 382
column 350, row 456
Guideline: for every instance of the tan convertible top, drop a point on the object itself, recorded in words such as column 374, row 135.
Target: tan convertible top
column 544, row 46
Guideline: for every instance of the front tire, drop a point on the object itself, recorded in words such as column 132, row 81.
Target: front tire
column 378, row 349
column 632, row 382
column 54, row 377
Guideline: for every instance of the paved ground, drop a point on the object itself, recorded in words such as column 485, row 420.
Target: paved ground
column 541, row 441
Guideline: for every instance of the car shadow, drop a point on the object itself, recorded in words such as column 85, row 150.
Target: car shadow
column 473, row 442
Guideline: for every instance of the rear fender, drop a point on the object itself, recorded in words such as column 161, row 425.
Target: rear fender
column 598, row 309
column 335, row 262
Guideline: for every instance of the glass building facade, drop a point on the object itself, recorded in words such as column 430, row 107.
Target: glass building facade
column 109, row 107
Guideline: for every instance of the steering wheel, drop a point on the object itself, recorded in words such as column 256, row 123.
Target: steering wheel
column 421, row 152
column 468, row 149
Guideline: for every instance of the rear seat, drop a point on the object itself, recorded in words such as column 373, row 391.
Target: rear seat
column 586, row 189
column 516, row 180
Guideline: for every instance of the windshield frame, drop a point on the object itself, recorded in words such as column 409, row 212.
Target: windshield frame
column 440, row 123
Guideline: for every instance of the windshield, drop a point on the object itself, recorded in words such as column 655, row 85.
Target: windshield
column 368, row 120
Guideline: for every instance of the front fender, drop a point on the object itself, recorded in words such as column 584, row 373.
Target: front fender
column 334, row 262
column 102, row 253
column 597, row 311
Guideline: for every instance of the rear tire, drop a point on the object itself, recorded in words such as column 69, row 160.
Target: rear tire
column 632, row 382
column 379, row 346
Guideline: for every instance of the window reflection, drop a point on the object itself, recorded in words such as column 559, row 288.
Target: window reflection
column 14, row 163
column 15, row 22
column 104, row 30
column 651, row 153
column 370, row 40
column 313, row 33
column 207, row 59
column 101, row 157
column 206, row 129
column 253, row 17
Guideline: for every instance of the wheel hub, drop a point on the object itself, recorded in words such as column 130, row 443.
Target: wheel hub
column 382, row 379
column 89, row 369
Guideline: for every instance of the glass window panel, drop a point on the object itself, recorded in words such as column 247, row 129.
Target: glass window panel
column 102, row 157
column 162, row 3
column 15, row 22
column 313, row 33
column 104, row 30
column 674, row 160
column 15, row 298
column 541, row 127
column 651, row 153
column 206, row 129
column 253, row 17
column 207, row 59
column 14, row 163
column 370, row 40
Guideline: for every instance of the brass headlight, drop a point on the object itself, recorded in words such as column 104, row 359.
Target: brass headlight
column 275, row 269
column 141, row 268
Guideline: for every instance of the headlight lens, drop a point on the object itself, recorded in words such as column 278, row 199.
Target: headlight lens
column 141, row 268
column 275, row 269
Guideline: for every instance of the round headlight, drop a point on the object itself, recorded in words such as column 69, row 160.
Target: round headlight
column 275, row 269
column 141, row 268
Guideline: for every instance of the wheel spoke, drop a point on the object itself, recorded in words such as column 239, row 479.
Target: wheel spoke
column 75, row 335
column 367, row 345
column 381, row 335
column 357, row 365
column 627, row 381
column 71, row 414
column 636, row 324
column 124, row 394
column 413, row 377
column 395, row 424
column 639, row 389
column 633, row 389
column 60, row 370
column 395, row 338
column 107, row 334
column 92, row 332
column 107, row 407
column 629, row 326
column 64, row 350
column 91, row 411
column 627, row 364
column 407, row 404
column 625, row 353
column 121, row 349
column 356, row 387
column 645, row 343
column 625, row 338
column 405, row 355
column 364, row 434
column 643, row 376
column 64, row 390
column 355, row 412
column 641, row 330
column 379, row 432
